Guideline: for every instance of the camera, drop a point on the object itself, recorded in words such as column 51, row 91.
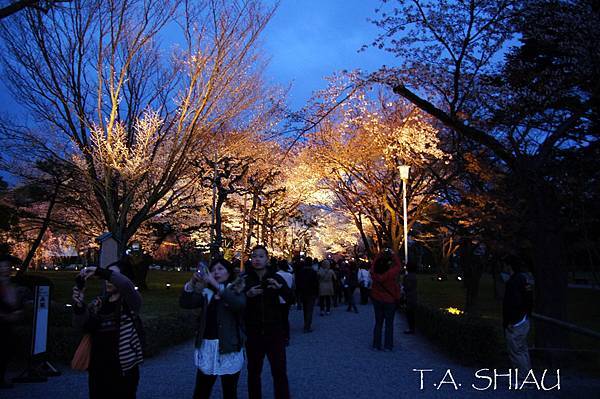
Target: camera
column 264, row 284
column 80, row 282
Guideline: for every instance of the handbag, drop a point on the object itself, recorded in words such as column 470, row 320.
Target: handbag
column 81, row 358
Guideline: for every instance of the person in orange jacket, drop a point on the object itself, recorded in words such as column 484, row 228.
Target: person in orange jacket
column 385, row 294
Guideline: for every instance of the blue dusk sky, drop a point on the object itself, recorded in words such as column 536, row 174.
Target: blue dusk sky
column 305, row 41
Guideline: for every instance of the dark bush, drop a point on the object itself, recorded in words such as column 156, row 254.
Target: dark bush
column 160, row 332
column 469, row 339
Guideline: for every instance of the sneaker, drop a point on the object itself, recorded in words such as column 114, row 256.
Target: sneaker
column 355, row 310
column 388, row 350
column 327, row 313
column 322, row 314
column 6, row 385
column 409, row 331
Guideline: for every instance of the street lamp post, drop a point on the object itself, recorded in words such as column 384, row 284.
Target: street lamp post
column 404, row 171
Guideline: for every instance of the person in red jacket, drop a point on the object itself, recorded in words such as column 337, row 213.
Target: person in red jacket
column 385, row 293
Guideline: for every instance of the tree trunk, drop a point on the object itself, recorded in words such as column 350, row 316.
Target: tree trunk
column 216, row 246
column 38, row 240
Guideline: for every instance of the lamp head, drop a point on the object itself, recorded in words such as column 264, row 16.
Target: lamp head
column 404, row 171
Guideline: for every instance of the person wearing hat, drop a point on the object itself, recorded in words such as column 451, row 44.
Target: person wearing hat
column 10, row 311
column 219, row 341
column 116, row 334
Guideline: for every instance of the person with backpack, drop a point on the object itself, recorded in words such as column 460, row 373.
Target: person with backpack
column 385, row 294
column 307, row 288
column 116, row 334
column 349, row 284
column 219, row 344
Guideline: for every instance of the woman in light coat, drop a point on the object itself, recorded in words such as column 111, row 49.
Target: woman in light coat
column 326, row 280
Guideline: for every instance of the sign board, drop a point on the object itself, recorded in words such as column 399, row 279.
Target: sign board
column 40, row 319
column 109, row 250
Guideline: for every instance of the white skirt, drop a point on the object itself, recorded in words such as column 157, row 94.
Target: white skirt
column 208, row 359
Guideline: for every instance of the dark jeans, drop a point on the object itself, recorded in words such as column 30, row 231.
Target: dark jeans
column 349, row 292
column 308, row 304
column 285, row 311
column 325, row 303
column 340, row 293
column 110, row 383
column 364, row 295
column 337, row 294
column 298, row 300
column 271, row 345
column 204, row 385
column 384, row 311
column 6, row 347
column 410, row 317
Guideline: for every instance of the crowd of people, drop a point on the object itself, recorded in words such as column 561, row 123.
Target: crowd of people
column 243, row 316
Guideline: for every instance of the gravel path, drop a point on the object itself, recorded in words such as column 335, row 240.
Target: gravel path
column 335, row 361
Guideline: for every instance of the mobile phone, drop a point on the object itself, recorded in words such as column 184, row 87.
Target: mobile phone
column 202, row 269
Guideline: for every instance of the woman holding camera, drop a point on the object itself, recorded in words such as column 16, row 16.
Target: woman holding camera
column 112, row 321
column 385, row 294
column 219, row 341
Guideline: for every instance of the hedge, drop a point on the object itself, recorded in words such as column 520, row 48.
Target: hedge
column 468, row 339
column 160, row 332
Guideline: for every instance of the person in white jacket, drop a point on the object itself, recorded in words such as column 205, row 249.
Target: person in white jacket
column 364, row 282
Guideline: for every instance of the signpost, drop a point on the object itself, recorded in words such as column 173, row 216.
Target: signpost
column 39, row 368
column 109, row 250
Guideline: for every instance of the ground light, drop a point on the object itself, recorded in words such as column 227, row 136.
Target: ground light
column 454, row 311
column 168, row 285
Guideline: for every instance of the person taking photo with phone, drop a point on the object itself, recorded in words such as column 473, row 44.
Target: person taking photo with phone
column 219, row 295
column 115, row 331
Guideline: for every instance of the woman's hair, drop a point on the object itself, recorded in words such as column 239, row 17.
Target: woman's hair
column 227, row 265
column 261, row 247
column 382, row 264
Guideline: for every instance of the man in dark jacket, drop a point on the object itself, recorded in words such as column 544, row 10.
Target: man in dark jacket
column 307, row 287
column 265, row 325
column 517, row 305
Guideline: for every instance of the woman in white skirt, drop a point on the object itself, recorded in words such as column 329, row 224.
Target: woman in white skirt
column 220, row 341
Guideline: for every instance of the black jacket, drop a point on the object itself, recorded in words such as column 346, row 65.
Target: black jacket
column 518, row 299
column 229, row 308
column 263, row 314
column 307, row 282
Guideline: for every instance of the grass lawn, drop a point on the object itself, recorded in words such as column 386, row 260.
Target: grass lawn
column 157, row 300
column 582, row 307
